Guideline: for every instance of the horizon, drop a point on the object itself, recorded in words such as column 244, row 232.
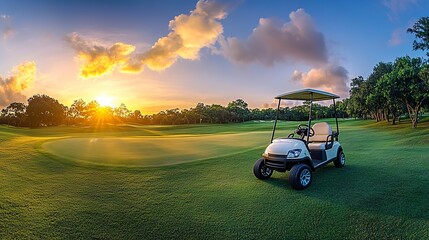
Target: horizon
column 155, row 56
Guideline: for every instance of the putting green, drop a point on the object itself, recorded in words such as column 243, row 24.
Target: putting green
column 152, row 151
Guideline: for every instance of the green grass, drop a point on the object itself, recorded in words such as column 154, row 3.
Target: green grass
column 151, row 151
column 50, row 190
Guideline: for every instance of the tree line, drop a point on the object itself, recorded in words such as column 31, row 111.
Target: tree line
column 43, row 110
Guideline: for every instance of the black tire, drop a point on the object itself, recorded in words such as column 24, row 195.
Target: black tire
column 300, row 176
column 341, row 159
column 261, row 171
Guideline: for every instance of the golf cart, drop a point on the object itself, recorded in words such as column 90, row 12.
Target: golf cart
column 306, row 149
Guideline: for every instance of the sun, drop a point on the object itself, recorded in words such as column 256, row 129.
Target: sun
column 105, row 101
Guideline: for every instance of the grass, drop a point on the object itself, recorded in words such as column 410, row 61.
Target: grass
column 151, row 151
column 51, row 192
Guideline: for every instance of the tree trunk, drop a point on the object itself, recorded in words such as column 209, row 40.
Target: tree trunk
column 415, row 123
column 413, row 112
column 387, row 114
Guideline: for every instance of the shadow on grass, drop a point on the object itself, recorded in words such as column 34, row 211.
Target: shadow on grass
column 371, row 189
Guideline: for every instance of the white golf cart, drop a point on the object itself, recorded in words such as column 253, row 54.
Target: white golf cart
column 306, row 149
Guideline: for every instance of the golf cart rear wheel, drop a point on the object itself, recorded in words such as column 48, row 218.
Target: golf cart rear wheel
column 261, row 171
column 341, row 159
column 300, row 176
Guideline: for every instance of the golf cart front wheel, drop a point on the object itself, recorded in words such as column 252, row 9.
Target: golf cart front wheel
column 261, row 170
column 341, row 159
column 300, row 176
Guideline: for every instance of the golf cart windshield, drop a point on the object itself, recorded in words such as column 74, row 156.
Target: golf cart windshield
column 308, row 95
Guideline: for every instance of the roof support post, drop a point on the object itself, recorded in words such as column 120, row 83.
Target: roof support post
column 309, row 118
column 336, row 120
column 275, row 122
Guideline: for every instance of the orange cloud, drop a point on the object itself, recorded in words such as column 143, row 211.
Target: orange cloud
column 98, row 60
column 11, row 87
column 189, row 34
column 283, row 104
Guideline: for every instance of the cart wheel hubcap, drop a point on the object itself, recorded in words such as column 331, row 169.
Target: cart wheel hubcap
column 305, row 177
column 265, row 171
column 342, row 159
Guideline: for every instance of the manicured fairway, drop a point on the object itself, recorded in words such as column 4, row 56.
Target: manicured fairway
column 152, row 151
column 52, row 186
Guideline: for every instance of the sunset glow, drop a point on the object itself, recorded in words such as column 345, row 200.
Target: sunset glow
column 105, row 101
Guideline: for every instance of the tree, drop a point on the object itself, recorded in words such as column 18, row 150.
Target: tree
column 200, row 111
column 91, row 110
column 391, row 96
column 421, row 30
column 379, row 101
column 410, row 78
column 358, row 95
column 14, row 113
column 136, row 116
column 43, row 110
column 239, row 109
column 122, row 111
column 218, row 113
column 172, row 116
column 77, row 110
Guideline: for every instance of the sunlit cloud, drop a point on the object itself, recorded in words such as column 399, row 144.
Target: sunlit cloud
column 272, row 41
column 97, row 59
column 283, row 104
column 11, row 87
column 7, row 31
column 189, row 34
column 331, row 78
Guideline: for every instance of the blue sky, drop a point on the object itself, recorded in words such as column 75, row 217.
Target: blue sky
column 81, row 49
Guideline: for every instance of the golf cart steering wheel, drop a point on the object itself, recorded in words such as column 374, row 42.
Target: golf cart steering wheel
column 302, row 130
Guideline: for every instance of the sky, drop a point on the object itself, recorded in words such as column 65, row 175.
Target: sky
column 158, row 55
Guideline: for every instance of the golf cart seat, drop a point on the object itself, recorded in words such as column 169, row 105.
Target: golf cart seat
column 322, row 136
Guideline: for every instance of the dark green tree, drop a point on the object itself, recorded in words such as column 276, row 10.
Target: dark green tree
column 421, row 31
column 391, row 96
column 43, row 110
column 410, row 78
column 14, row 114
column 358, row 95
column 239, row 110
column 376, row 100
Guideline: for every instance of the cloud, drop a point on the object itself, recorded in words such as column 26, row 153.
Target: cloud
column 189, row 34
column 11, row 87
column 298, row 41
column 7, row 31
column 270, row 42
column 396, row 6
column 97, row 59
column 331, row 78
column 396, row 38
column 283, row 104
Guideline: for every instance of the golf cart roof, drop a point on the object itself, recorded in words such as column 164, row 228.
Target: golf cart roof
column 306, row 95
